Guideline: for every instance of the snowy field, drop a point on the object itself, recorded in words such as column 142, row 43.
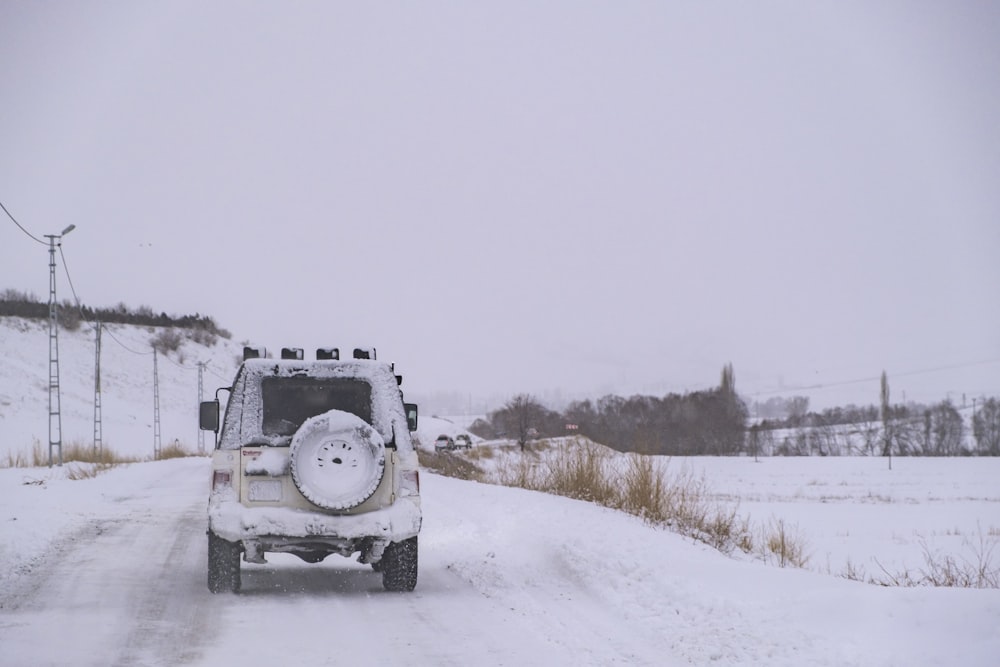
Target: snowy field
column 507, row 577
column 854, row 511
column 851, row 513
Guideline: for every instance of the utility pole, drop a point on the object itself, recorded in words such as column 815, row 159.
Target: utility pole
column 156, row 408
column 886, row 409
column 201, row 434
column 55, row 411
column 98, row 426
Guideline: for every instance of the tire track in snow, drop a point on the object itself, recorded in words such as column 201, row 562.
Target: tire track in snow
column 169, row 620
column 119, row 591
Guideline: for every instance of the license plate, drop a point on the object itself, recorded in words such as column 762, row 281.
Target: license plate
column 265, row 490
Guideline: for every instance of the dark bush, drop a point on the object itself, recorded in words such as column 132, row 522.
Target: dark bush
column 14, row 303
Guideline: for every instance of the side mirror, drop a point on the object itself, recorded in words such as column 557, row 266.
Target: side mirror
column 411, row 416
column 208, row 416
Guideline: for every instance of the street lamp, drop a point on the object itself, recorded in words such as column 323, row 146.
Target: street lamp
column 55, row 413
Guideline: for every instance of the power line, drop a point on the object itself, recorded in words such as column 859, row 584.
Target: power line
column 69, row 279
column 216, row 374
column 874, row 378
column 178, row 364
column 115, row 338
column 204, row 364
column 30, row 235
column 79, row 307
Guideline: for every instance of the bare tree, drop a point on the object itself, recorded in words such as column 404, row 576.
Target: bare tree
column 869, row 431
column 798, row 408
column 520, row 416
column 946, row 429
column 986, row 428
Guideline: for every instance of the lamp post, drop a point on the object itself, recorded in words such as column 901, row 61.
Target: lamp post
column 55, row 414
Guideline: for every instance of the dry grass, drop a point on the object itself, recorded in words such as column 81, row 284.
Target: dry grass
column 448, row 464
column 523, row 472
column 21, row 460
column 79, row 472
column 975, row 568
column 87, row 454
column 92, row 462
column 644, row 491
column 173, row 451
column 639, row 485
column 480, row 453
column 581, row 472
column 783, row 544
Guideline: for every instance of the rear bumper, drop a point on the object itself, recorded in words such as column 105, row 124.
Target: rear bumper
column 233, row 522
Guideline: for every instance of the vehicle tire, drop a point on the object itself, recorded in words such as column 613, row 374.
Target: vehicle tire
column 337, row 460
column 223, row 565
column 399, row 566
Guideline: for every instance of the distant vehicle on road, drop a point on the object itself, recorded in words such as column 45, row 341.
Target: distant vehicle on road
column 444, row 442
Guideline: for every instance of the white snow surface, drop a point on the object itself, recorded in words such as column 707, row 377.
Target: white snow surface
column 112, row 570
column 507, row 577
column 127, row 405
column 273, row 462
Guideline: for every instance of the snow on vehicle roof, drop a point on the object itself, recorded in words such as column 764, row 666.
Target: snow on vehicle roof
column 244, row 410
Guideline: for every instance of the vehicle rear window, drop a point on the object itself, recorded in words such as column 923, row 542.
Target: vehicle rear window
column 289, row 401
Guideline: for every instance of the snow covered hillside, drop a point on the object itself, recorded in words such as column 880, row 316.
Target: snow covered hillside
column 126, row 384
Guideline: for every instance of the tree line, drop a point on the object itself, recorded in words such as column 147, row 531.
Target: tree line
column 14, row 303
column 711, row 422
column 716, row 422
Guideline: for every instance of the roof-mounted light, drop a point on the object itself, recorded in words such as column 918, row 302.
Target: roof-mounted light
column 295, row 353
column 364, row 353
column 326, row 353
column 254, row 353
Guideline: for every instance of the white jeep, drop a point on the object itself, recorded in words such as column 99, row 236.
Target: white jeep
column 313, row 458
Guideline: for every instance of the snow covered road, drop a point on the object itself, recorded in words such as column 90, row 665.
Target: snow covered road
column 507, row 577
column 124, row 590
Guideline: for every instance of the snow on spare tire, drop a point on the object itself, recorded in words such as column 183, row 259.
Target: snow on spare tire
column 337, row 460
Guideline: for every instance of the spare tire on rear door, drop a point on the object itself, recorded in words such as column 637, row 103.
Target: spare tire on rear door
column 337, row 460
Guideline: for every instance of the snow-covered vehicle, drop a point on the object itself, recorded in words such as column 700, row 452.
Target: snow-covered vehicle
column 444, row 442
column 313, row 458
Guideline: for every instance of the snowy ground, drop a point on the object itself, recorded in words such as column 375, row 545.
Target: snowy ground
column 507, row 577
column 854, row 511
column 851, row 513
column 114, row 566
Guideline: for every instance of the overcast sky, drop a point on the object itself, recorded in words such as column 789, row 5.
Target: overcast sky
column 510, row 196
